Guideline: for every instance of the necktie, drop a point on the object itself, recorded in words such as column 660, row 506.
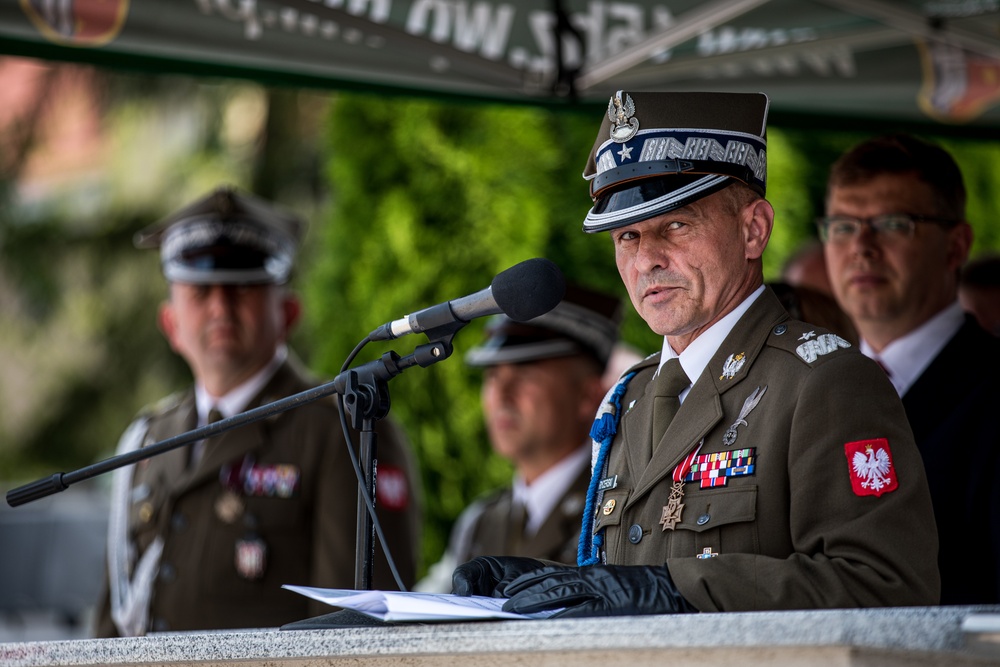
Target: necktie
column 518, row 520
column 667, row 387
column 198, row 448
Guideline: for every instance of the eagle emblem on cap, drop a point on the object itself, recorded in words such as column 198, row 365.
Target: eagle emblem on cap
column 621, row 112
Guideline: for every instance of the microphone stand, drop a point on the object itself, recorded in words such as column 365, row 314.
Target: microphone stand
column 365, row 393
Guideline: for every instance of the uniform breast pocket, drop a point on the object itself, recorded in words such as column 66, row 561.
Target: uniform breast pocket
column 718, row 521
column 610, row 511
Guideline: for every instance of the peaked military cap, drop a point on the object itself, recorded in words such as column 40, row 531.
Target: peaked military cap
column 656, row 152
column 227, row 237
column 584, row 322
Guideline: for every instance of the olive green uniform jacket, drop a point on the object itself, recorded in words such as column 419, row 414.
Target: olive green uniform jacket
column 792, row 532
column 285, row 482
column 492, row 527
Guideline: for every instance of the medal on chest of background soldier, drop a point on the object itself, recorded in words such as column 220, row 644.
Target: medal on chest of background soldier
column 248, row 479
column 251, row 552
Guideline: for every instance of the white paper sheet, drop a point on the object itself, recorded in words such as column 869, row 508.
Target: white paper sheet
column 397, row 606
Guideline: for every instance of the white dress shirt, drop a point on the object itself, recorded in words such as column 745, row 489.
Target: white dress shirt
column 701, row 350
column 906, row 358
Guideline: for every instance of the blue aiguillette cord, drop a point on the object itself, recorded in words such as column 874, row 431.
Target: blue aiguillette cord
column 602, row 432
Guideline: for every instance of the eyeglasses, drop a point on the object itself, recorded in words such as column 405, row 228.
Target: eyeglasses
column 889, row 227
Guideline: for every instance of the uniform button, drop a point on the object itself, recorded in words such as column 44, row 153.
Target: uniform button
column 178, row 522
column 704, row 518
column 167, row 573
column 635, row 534
column 780, row 329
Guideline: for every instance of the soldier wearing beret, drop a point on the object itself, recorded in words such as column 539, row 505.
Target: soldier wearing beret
column 542, row 384
column 757, row 462
column 204, row 537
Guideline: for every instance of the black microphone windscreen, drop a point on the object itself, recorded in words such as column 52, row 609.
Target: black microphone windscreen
column 529, row 289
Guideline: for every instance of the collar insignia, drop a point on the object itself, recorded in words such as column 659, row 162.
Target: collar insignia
column 733, row 365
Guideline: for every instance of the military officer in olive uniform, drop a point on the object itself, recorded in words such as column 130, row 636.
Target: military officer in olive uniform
column 204, row 537
column 757, row 462
column 542, row 384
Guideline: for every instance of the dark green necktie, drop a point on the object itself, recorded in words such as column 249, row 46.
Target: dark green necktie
column 667, row 387
column 198, row 448
column 518, row 520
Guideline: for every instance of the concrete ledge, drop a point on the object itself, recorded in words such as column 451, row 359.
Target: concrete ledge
column 894, row 636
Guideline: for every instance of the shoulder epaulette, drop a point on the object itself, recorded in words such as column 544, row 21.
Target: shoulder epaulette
column 165, row 404
column 806, row 341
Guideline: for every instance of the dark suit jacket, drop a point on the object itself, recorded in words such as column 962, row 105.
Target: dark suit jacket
column 796, row 532
column 953, row 410
column 308, row 532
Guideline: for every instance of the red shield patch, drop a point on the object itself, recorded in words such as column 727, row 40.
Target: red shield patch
column 391, row 488
column 870, row 466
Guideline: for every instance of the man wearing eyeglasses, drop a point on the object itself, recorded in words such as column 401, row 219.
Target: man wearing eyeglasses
column 895, row 239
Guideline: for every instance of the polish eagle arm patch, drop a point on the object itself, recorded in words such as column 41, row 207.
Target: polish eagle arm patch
column 870, row 467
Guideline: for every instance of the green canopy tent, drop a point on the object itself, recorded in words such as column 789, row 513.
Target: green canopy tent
column 824, row 63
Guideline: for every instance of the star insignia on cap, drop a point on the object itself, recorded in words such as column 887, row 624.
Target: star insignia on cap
column 807, row 335
column 625, row 153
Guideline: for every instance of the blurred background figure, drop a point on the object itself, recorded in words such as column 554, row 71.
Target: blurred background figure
column 896, row 237
column 806, row 267
column 814, row 307
column 204, row 536
column 805, row 292
column 979, row 291
column 542, row 386
column 623, row 357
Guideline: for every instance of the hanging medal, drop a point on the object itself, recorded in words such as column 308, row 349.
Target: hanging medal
column 675, row 507
column 251, row 552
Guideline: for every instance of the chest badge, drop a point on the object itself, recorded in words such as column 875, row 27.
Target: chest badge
column 251, row 557
column 733, row 365
column 748, row 405
column 229, row 506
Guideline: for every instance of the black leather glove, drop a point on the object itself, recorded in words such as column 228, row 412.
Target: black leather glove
column 598, row 590
column 489, row 575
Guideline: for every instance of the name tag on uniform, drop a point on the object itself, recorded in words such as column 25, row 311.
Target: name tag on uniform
column 607, row 483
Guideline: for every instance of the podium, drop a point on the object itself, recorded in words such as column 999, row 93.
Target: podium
column 953, row 636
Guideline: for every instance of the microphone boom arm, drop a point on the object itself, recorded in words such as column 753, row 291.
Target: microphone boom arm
column 367, row 376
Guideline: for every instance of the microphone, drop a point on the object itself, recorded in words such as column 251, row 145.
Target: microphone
column 522, row 292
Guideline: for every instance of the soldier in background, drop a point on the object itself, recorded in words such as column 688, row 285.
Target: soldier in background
column 204, row 536
column 542, row 384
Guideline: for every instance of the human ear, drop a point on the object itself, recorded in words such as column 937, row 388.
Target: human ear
column 757, row 224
